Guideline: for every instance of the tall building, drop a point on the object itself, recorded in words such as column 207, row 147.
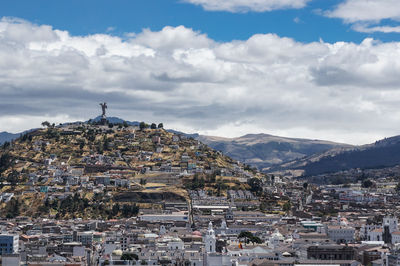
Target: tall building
column 8, row 244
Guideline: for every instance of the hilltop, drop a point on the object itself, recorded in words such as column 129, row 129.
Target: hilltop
column 260, row 150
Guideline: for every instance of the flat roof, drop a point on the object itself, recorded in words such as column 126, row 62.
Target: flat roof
column 211, row 206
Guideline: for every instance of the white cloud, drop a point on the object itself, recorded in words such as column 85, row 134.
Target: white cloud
column 366, row 15
column 239, row 6
column 297, row 20
column 361, row 27
column 341, row 91
column 366, row 10
column 110, row 29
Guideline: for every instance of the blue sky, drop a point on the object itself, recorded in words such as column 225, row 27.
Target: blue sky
column 320, row 69
column 82, row 17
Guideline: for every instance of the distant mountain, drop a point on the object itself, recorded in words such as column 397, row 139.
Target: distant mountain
column 263, row 150
column 5, row 136
column 193, row 136
column 383, row 153
column 116, row 120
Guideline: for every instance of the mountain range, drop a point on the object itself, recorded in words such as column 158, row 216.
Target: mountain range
column 264, row 151
column 381, row 154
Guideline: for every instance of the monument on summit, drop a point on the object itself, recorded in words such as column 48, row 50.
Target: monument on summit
column 103, row 115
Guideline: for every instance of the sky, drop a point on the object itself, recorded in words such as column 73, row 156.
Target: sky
column 319, row 69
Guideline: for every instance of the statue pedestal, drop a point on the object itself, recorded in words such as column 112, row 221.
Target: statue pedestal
column 103, row 120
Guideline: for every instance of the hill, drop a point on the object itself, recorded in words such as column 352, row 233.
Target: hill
column 6, row 136
column 383, row 153
column 85, row 170
column 264, row 150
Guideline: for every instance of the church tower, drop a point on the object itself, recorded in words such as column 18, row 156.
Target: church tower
column 210, row 241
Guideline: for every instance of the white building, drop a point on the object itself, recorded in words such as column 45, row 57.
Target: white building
column 11, row 260
column 341, row 234
column 375, row 235
column 176, row 244
column 210, row 240
column 174, row 217
column 395, row 237
column 275, row 238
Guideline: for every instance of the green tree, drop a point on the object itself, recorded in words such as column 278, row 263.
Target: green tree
column 12, row 208
column 212, row 177
column 129, row 210
column 106, row 143
column 160, row 125
column 129, row 256
column 255, row 185
column 24, row 137
column 43, row 209
column 12, row 178
column 5, row 161
column 143, row 125
column 398, row 187
column 153, row 126
column 82, row 144
column 115, row 209
column 264, row 206
column 46, row 124
column 6, row 144
column 286, row 207
column 47, row 202
column 367, row 183
column 249, row 237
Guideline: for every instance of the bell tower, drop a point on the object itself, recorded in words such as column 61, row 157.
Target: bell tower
column 210, row 241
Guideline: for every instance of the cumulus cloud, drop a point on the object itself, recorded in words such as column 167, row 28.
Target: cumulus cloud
column 240, row 6
column 341, row 91
column 367, row 15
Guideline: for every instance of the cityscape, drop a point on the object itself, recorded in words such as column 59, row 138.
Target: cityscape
column 199, row 132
